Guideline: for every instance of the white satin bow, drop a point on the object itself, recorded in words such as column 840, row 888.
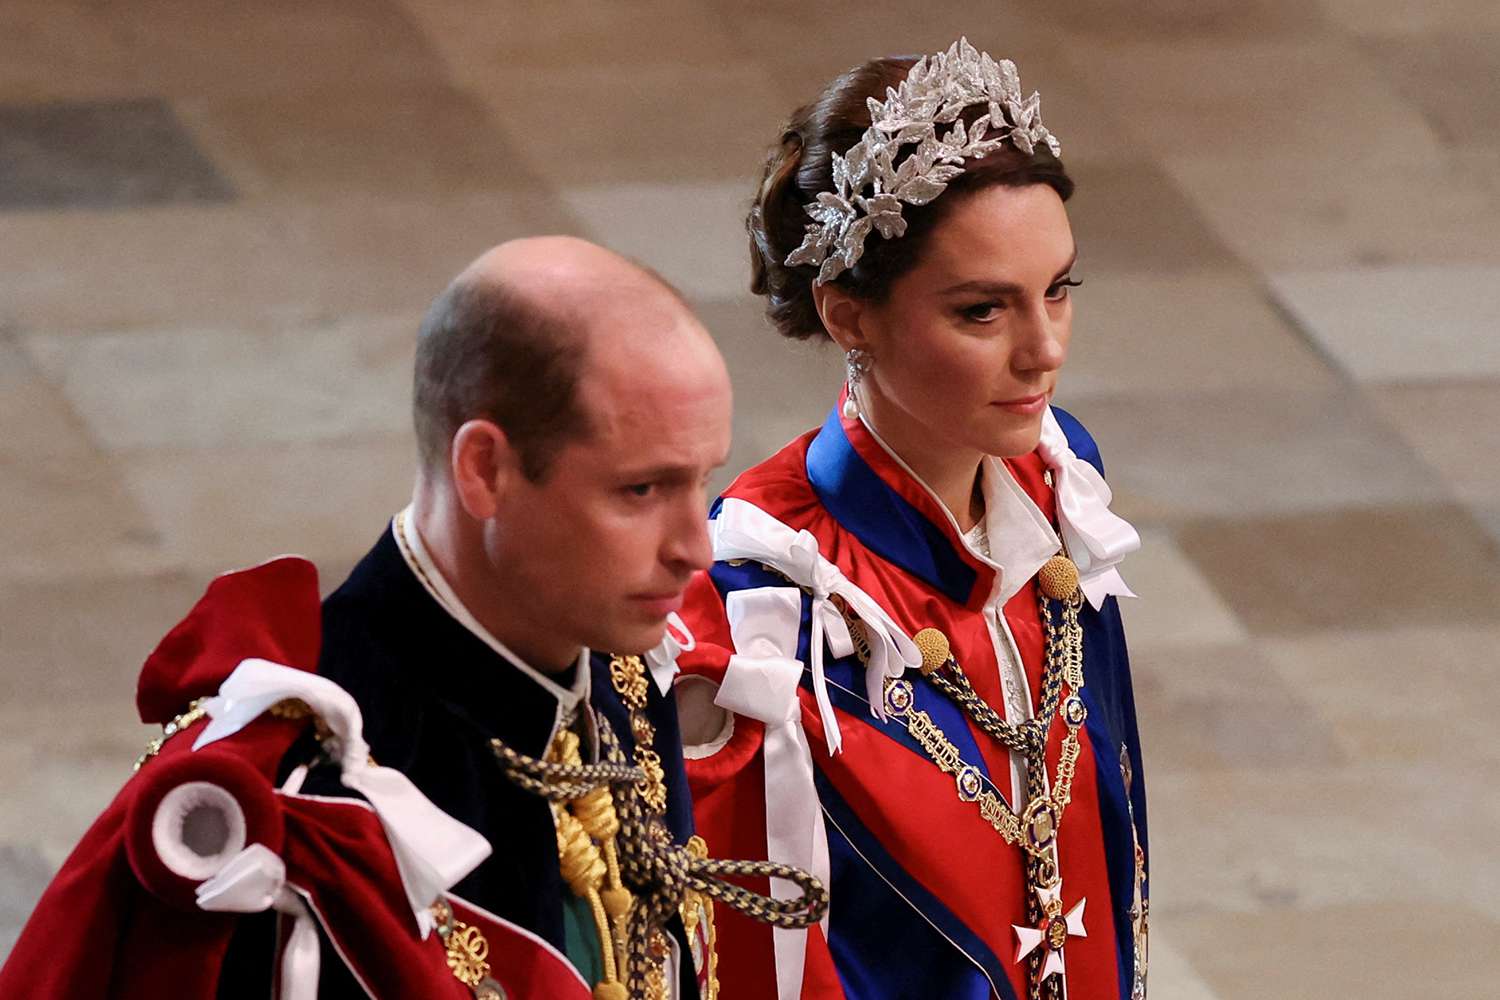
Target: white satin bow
column 252, row 881
column 432, row 849
column 761, row 681
column 744, row 531
column 1097, row 539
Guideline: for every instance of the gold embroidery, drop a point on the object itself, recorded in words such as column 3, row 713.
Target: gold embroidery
column 698, row 915
column 628, row 675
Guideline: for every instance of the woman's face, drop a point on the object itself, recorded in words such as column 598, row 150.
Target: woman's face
column 968, row 343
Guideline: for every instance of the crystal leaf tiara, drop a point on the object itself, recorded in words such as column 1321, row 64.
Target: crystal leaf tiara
column 870, row 189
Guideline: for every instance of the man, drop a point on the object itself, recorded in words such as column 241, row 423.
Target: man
column 569, row 411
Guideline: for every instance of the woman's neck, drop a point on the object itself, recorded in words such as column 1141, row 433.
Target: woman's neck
column 950, row 472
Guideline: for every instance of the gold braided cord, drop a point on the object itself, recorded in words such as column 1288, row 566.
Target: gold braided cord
column 657, row 871
column 1035, row 827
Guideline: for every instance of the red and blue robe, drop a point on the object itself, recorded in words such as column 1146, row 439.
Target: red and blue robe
column 924, row 892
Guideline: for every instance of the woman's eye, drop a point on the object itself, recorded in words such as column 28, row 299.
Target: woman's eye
column 1059, row 291
column 984, row 312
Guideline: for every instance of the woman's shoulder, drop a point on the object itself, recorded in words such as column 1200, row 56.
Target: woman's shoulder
column 778, row 485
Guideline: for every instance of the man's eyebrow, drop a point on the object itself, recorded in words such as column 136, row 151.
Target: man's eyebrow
column 667, row 471
column 1002, row 288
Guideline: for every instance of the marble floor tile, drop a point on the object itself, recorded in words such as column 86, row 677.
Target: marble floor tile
column 343, row 379
column 1175, row 604
column 1397, row 18
column 1399, row 694
column 1451, row 77
column 1448, row 424
column 1349, row 569
column 86, row 637
column 1488, row 517
column 63, row 51
column 112, row 154
column 200, row 48
column 278, row 262
column 1192, row 332
column 1400, row 323
column 1091, row 129
column 223, row 508
column 1171, row 19
column 1172, row 976
column 1283, row 840
column 38, row 421
column 1132, row 217
column 1253, row 99
column 578, row 34
column 24, row 874
column 785, row 33
column 1248, row 453
column 69, row 515
column 1424, row 950
column 66, row 762
column 706, row 256
column 696, row 135
column 67, row 511
column 1220, row 706
column 1408, row 206
column 412, row 139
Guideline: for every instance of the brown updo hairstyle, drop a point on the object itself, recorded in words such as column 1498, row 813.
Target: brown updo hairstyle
column 802, row 165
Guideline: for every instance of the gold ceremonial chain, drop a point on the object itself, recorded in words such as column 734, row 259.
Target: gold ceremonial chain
column 616, row 852
column 1035, row 827
column 194, row 712
column 468, row 953
column 287, row 708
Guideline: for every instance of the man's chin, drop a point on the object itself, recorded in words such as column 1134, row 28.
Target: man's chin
column 634, row 640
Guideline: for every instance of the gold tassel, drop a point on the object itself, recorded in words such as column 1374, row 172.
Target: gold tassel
column 585, row 869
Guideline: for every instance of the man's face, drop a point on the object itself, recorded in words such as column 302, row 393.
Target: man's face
column 598, row 552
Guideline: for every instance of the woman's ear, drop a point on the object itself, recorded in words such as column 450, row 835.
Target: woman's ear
column 843, row 316
column 484, row 467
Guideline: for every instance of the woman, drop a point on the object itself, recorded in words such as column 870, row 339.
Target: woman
column 910, row 675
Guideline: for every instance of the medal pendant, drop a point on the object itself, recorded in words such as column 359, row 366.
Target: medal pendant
column 1053, row 933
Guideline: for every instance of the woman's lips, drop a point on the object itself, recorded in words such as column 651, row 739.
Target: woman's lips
column 1026, row 405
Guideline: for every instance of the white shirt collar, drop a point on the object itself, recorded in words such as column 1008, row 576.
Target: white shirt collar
column 1020, row 537
column 414, row 550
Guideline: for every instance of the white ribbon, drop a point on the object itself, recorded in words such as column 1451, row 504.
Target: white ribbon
column 662, row 661
column 432, row 849
column 761, row 682
column 248, row 883
column 253, row 881
column 1097, row 539
column 744, row 531
column 300, row 958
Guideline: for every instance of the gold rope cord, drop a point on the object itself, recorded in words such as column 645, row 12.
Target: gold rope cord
column 655, row 875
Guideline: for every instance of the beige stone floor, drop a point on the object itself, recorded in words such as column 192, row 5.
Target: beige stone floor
column 1286, row 343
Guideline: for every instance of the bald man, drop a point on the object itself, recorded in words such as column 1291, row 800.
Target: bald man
column 445, row 805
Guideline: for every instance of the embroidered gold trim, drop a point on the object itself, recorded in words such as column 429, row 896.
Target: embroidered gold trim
column 628, row 675
column 195, row 712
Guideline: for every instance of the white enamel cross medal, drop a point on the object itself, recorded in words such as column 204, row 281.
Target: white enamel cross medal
column 1056, row 928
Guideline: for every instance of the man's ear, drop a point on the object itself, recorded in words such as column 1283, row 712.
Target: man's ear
column 484, row 467
column 842, row 315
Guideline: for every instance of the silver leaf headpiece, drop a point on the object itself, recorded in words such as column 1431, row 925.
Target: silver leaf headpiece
column 870, row 189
